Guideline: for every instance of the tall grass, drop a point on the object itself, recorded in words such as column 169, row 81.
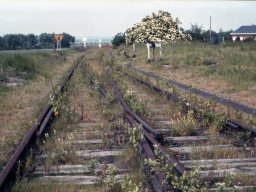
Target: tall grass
column 28, row 66
column 21, row 66
column 234, row 63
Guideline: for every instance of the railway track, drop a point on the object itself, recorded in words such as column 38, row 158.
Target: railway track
column 223, row 159
column 84, row 149
column 207, row 95
column 7, row 174
column 201, row 149
column 230, row 122
column 87, row 148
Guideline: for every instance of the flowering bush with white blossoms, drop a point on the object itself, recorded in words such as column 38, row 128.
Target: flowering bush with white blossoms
column 159, row 27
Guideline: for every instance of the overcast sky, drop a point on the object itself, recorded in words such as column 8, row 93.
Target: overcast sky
column 107, row 17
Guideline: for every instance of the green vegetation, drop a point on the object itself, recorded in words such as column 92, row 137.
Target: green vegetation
column 190, row 181
column 137, row 106
column 19, row 67
column 183, row 125
column 126, row 185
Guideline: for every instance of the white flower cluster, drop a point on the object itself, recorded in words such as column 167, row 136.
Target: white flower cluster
column 159, row 27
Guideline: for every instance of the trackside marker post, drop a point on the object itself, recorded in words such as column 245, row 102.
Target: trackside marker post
column 84, row 40
column 99, row 42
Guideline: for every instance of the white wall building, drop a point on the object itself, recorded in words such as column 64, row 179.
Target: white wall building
column 244, row 33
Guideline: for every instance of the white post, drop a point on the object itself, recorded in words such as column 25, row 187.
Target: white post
column 57, row 45
column 125, row 49
column 133, row 49
column 159, row 45
column 84, row 39
column 160, row 52
column 99, row 42
column 154, row 55
column 60, row 45
column 223, row 40
column 148, row 46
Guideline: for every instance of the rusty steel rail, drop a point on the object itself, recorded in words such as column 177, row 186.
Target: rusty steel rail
column 45, row 122
column 150, row 138
column 233, row 124
column 146, row 152
column 132, row 113
column 35, row 132
column 156, row 179
column 221, row 100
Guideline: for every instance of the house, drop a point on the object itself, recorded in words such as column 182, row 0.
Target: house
column 244, row 33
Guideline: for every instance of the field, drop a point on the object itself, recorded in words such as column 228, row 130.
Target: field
column 227, row 70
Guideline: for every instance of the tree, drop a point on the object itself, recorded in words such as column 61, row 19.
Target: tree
column 157, row 28
column 12, row 41
column 118, row 39
column 1, row 43
column 197, row 33
column 30, row 41
column 46, row 40
column 226, row 34
column 67, row 40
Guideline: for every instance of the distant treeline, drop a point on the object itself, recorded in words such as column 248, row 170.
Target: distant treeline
column 199, row 34
column 31, row 41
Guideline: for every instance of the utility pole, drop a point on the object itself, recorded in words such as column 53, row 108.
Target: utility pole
column 210, row 28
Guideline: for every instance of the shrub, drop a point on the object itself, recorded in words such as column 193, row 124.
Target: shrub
column 184, row 125
column 137, row 106
column 190, row 181
column 21, row 66
column 209, row 61
column 118, row 39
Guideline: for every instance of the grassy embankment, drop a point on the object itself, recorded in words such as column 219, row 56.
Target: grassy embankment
column 228, row 70
column 20, row 105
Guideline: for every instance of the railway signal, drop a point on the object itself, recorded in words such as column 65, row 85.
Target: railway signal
column 58, row 38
